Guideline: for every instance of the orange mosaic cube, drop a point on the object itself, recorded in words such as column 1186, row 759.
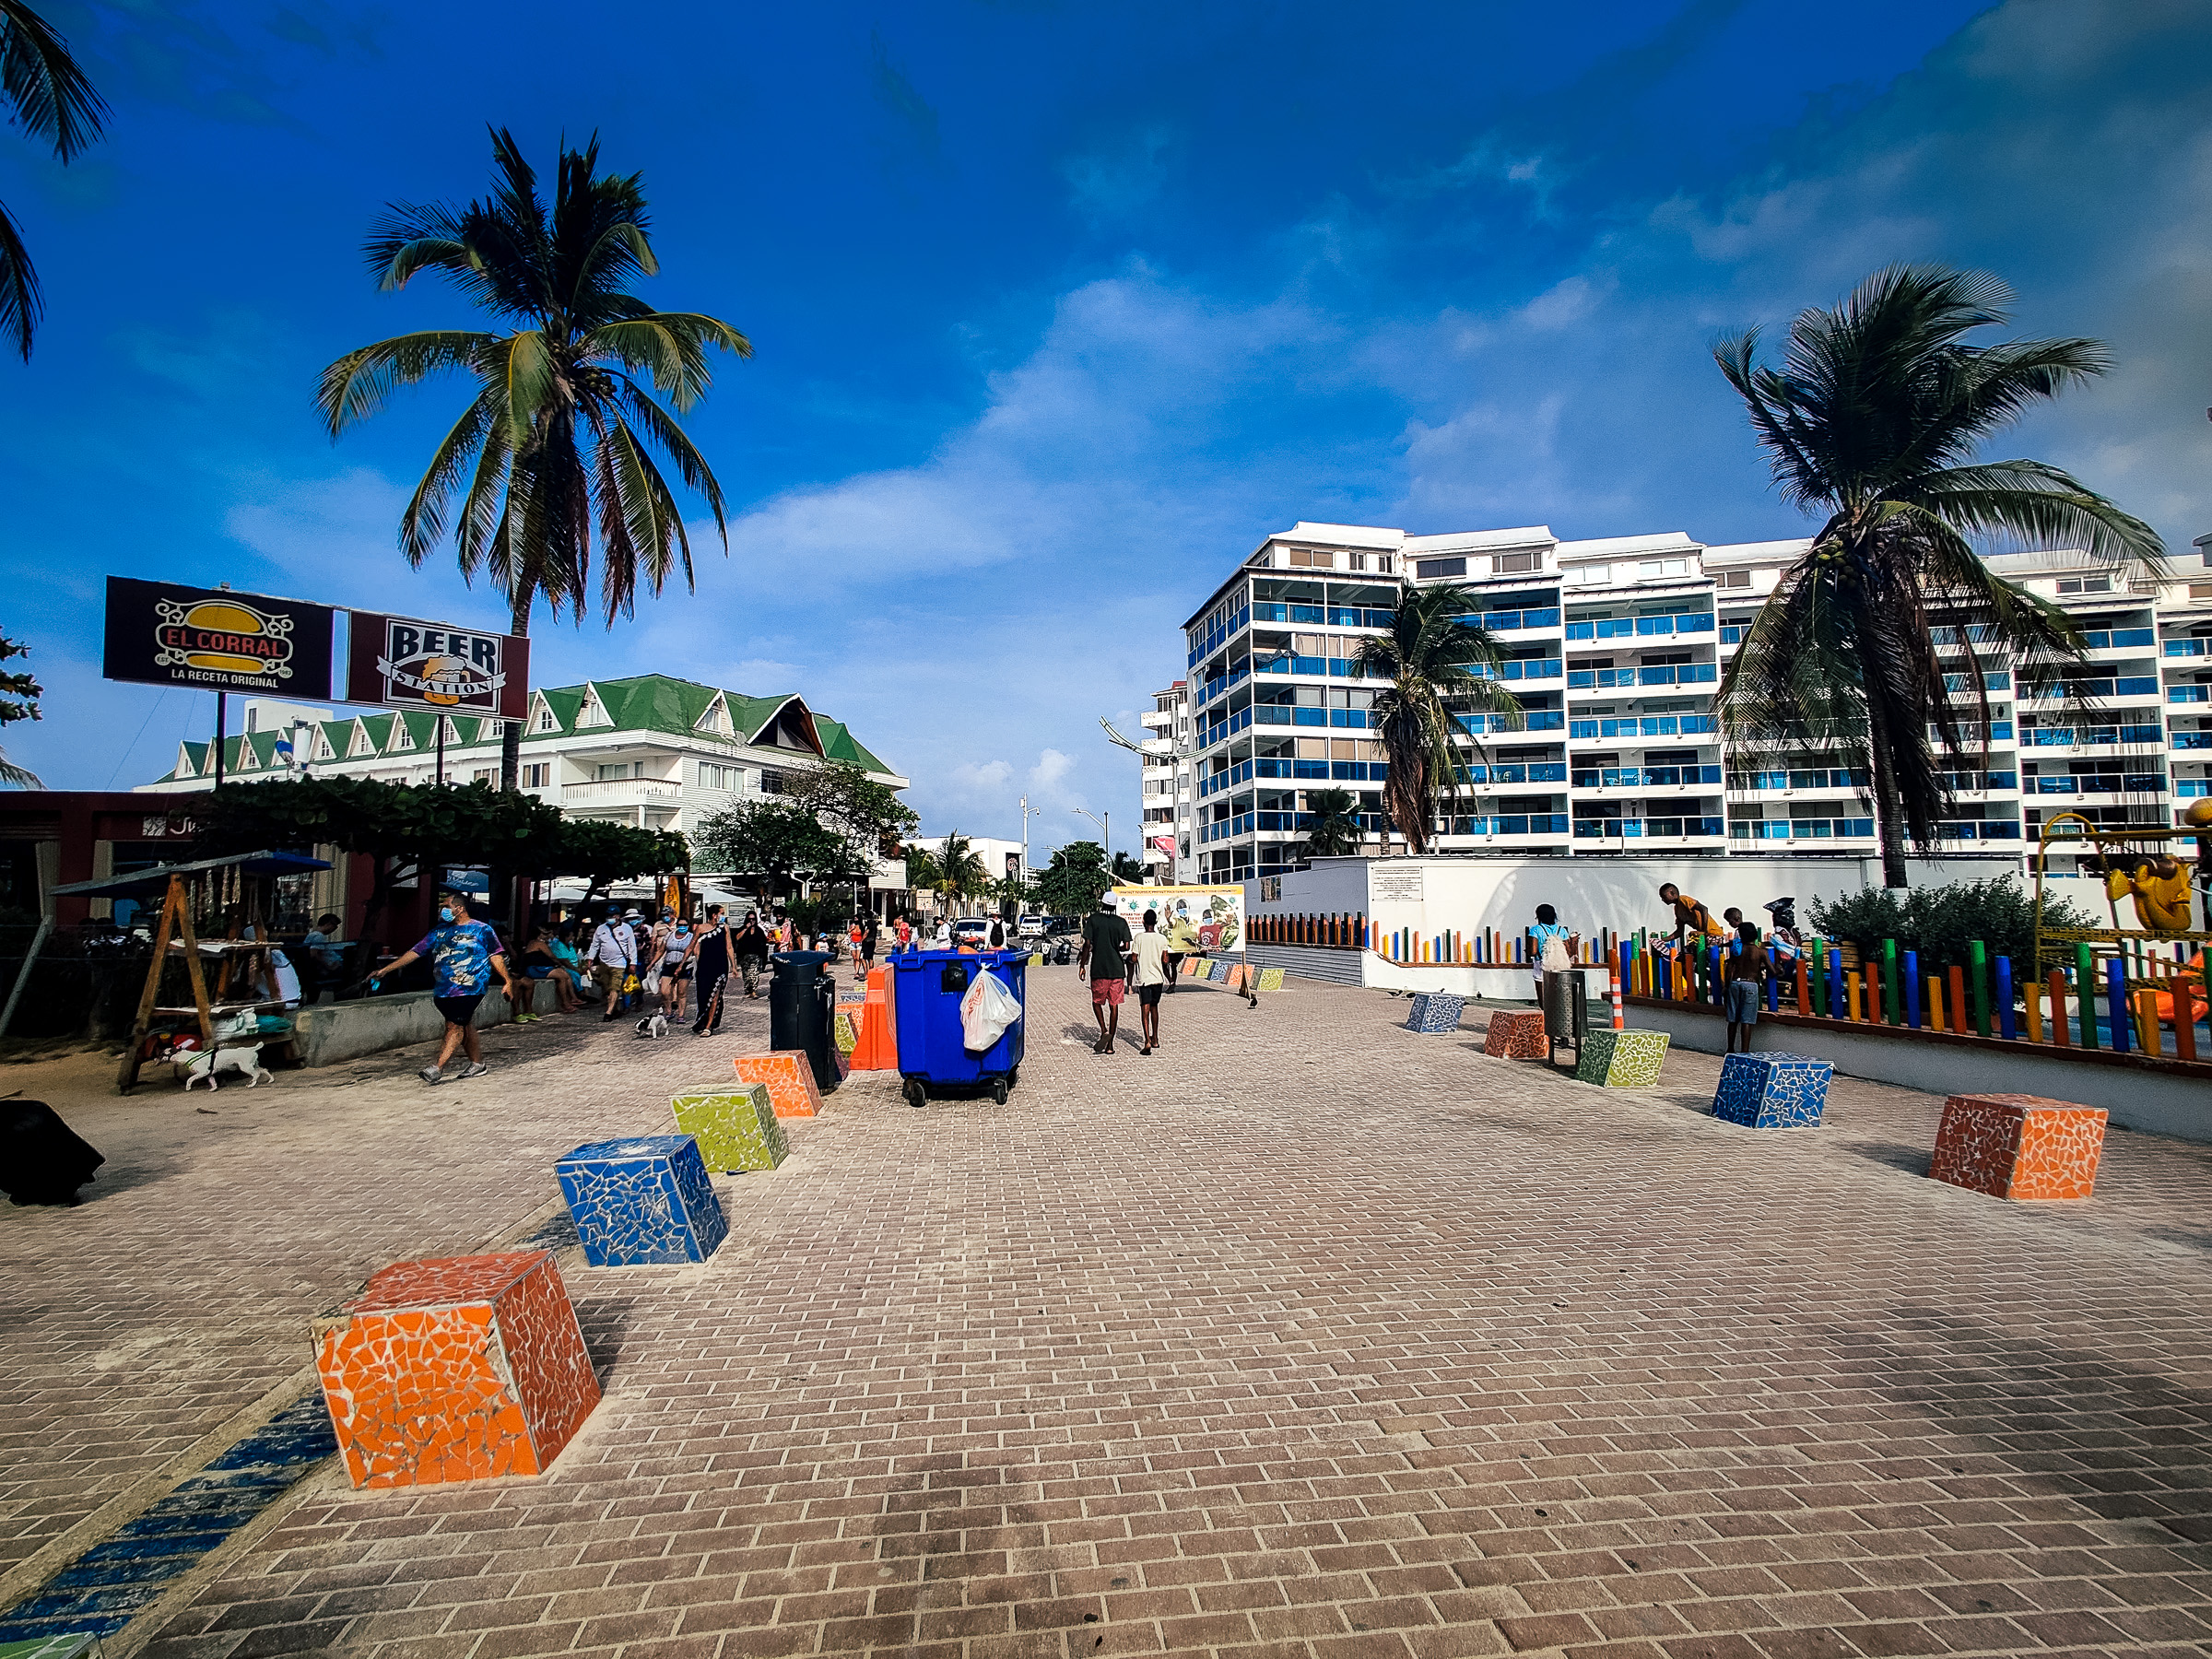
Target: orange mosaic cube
column 789, row 1076
column 2014, row 1145
column 1517, row 1037
column 461, row 1369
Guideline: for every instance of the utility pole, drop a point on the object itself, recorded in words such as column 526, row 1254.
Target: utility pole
column 1174, row 753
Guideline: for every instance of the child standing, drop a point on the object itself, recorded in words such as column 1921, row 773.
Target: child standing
column 1747, row 968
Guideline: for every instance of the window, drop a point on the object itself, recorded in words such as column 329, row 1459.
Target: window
column 1432, row 569
column 611, row 769
column 2086, row 584
column 1662, row 567
column 771, row 782
column 2201, row 590
column 1311, row 558
column 1596, row 575
column 1733, row 579
column 1385, row 564
column 539, row 774
column 483, row 774
column 712, row 775
column 1511, row 564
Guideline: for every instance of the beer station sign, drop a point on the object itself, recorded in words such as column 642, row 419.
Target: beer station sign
column 162, row 634
column 401, row 662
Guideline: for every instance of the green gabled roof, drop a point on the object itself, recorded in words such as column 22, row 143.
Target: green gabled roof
column 379, row 727
column 565, row 701
column 654, row 702
column 838, row 744
column 748, row 714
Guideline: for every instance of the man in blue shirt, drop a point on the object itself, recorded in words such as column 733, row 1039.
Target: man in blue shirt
column 463, row 955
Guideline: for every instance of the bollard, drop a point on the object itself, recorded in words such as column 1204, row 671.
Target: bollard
column 1979, row 954
column 1804, row 989
column 1890, row 1008
column 2184, row 1018
column 1956, row 976
column 1835, row 985
column 1619, row 965
column 2058, row 1007
column 2007, row 1027
column 1912, row 989
column 2146, row 1023
column 1934, row 1004
column 2033, row 999
column 1851, row 979
column 2085, row 993
column 2116, row 1003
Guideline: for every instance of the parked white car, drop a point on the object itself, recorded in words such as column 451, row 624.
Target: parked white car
column 971, row 930
column 1030, row 927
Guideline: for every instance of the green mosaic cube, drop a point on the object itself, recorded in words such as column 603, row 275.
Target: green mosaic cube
column 1621, row 1059
column 76, row 1645
column 1271, row 978
column 848, row 1033
column 734, row 1123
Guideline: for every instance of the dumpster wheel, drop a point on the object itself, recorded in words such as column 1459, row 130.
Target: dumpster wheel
column 916, row 1092
column 998, row 1092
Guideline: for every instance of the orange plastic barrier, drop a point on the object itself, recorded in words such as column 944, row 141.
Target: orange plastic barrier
column 877, row 1046
column 789, row 1078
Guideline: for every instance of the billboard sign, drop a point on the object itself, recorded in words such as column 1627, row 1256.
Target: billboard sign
column 162, row 634
column 1193, row 918
column 400, row 662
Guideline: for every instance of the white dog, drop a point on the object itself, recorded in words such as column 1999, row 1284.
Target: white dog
column 655, row 1025
column 203, row 1066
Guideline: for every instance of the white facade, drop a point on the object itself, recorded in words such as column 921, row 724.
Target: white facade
column 1615, row 648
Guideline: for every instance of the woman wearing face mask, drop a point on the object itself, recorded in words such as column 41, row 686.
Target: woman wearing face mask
column 463, row 955
column 675, row 967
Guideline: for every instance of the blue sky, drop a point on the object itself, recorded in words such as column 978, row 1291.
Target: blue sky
column 1059, row 309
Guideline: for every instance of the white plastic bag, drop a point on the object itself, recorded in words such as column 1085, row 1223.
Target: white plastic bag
column 1556, row 959
column 986, row 1010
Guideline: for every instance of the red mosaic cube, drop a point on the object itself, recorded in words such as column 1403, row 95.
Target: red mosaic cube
column 2014, row 1145
column 1517, row 1037
column 461, row 1369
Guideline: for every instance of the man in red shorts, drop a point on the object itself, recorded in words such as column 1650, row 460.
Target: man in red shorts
column 1106, row 947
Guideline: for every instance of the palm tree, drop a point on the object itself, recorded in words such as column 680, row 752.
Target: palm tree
column 1874, row 418
column 959, row 872
column 1333, row 828
column 1439, row 664
column 47, row 95
column 559, row 427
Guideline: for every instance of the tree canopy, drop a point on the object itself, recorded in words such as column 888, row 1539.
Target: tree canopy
column 1071, row 883
column 832, row 824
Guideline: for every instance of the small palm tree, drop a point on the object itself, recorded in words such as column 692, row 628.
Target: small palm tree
column 1439, row 664
column 559, row 429
column 1874, row 418
column 959, row 872
column 1333, row 827
column 45, row 93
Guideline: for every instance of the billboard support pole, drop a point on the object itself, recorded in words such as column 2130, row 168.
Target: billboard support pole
column 222, row 707
column 440, row 775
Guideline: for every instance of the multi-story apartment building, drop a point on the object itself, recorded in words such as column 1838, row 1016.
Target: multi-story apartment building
column 1615, row 648
column 1167, row 787
column 653, row 751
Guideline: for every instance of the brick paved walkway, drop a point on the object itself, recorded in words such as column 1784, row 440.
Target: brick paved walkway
column 1307, row 1336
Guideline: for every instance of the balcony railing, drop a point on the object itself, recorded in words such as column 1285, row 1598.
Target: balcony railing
column 2086, row 736
column 1541, row 771
column 2099, row 783
column 2189, row 648
column 1628, row 628
column 1645, row 829
column 1847, row 829
column 1979, row 830
column 1512, row 823
column 1667, row 674
column 1645, row 725
column 621, row 789
column 1645, row 777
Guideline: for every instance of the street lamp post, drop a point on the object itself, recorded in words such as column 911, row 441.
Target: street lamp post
column 1105, row 828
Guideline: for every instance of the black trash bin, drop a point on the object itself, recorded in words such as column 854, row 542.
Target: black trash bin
column 1566, row 1008
column 802, row 1011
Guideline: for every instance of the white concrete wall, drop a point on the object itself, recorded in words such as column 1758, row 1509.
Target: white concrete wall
column 1470, row 894
column 329, row 1033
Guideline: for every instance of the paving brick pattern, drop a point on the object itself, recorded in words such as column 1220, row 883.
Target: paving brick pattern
column 1314, row 1335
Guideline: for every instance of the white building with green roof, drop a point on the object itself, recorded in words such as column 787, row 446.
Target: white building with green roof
column 653, row 751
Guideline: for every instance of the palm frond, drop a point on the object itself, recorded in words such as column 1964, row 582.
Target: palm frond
column 2032, row 503
column 47, row 94
column 358, row 384
column 659, row 426
column 423, row 524
column 19, row 300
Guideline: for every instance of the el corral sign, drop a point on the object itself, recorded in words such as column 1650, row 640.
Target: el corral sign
column 398, row 661
column 214, row 640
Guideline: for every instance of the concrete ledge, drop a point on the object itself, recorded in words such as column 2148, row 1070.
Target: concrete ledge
column 329, row 1033
column 2156, row 1097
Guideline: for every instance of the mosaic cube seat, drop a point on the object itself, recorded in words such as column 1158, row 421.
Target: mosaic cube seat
column 1435, row 1011
column 1271, row 978
column 1772, row 1092
column 2014, row 1145
column 789, row 1079
column 846, row 1034
column 461, row 1369
column 1515, row 1036
column 641, row 1201
column 735, row 1125
column 1621, row 1059
column 1216, row 969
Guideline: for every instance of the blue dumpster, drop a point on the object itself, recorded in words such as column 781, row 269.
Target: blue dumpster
column 926, row 999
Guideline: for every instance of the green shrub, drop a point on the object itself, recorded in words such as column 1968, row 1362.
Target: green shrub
column 1940, row 922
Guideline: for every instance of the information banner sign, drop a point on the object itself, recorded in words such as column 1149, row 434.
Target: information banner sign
column 162, row 634
column 1193, row 918
column 401, row 662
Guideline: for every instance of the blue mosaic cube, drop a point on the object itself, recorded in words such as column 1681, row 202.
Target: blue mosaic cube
column 1772, row 1092
column 645, row 1199
column 1435, row 1011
